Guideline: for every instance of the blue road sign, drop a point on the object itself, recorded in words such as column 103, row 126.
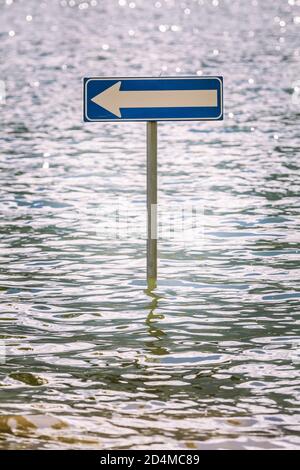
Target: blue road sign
column 153, row 99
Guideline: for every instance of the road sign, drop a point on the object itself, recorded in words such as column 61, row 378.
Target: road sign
column 153, row 99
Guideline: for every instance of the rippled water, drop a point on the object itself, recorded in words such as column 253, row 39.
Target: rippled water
column 210, row 359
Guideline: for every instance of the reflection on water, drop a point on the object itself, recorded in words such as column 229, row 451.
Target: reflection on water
column 210, row 358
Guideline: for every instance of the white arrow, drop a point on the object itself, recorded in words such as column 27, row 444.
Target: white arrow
column 112, row 99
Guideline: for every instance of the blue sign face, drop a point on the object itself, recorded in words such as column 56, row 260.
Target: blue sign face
column 153, row 99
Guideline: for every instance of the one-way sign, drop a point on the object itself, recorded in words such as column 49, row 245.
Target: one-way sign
column 153, row 99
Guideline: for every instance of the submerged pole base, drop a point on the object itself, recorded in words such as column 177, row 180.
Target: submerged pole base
column 151, row 204
column 151, row 283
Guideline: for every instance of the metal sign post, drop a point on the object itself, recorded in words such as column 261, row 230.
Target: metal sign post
column 151, row 100
column 151, row 204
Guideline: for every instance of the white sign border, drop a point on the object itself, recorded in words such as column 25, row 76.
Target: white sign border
column 87, row 119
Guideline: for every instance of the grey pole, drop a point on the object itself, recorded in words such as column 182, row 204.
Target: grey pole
column 151, row 204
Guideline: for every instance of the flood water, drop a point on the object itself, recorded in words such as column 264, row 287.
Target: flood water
column 89, row 357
